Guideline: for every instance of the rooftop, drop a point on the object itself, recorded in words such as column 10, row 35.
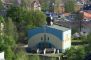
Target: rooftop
column 59, row 27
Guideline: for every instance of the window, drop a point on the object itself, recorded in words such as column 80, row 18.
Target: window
column 48, row 38
column 44, row 37
column 41, row 38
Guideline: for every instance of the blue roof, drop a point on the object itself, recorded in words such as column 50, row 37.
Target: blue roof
column 55, row 30
column 59, row 28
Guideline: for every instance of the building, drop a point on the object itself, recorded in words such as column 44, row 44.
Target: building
column 53, row 36
column 78, row 6
column 60, row 8
column 11, row 2
column 86, row 11
column 2, row 56
column 87, row 15
column 36, row 5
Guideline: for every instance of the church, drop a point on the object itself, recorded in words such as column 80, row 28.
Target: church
column 50, row 36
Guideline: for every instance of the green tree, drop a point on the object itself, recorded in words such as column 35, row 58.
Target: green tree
column 26, row 3
column 9, row 54
column 1, row 19
column 1, row 5
column 77, row 53
column 19, row 15
column 21, row 55
column 34, row 57
column 45, row 6
column 25, row 19
column 2, row 47
column 11, row 33
column 87, row 47
column 1, row 24
column 15, row 13
column 36, row 19
column 78, row 19
column 1, row 33
column 57, row 5
column 70, row 6
column 7, row 42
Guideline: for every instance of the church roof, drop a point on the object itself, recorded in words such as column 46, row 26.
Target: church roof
column 59, row 28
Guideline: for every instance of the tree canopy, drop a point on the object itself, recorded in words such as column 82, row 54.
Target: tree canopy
column 70, row 6
column 30, row 17
column 9, row 54
column 21, row 55
column 1, row 5
column 75, row 53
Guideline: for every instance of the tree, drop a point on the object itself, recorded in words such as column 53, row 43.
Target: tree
column 34, row 57
column 78, row 19
column 19, row 15
column 36, row 19
column 21, row 55
column 57, row 5
column 15, row 13
column 1, row 5
column 25, row 19
column 1, row 25
column 45, row 6
column 1, row 33
column 70, row 6
column 26, row 3
column 77, row 53
column 2, row 43
column 7, row 42
column 87, row 47
column 9, row 54
column 10, row 33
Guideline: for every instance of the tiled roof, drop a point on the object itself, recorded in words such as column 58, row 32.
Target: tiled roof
column 87, row 15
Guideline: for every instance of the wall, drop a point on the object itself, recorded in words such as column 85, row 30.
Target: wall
column 33, row 41
column 59, row 39
column 66, row 40
column 2, row 56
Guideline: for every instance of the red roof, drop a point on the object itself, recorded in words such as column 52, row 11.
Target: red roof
column 86, row 15
column 66, row 14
